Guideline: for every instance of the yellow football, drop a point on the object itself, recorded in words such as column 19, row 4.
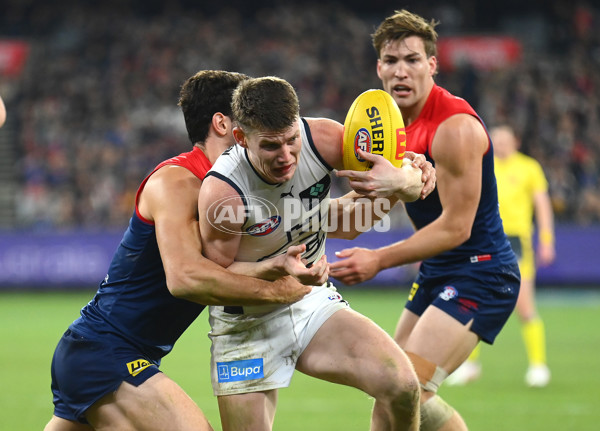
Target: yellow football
column 373, row 124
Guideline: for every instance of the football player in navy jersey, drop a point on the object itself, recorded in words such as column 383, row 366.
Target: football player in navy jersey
column 105, row 369
column 468, row 280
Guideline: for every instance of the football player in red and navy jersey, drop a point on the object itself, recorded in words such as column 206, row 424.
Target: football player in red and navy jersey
column 105, row 369
column 468, row 282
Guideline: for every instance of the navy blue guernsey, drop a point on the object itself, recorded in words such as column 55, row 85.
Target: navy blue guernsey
column 487, row 240
column 133, row 301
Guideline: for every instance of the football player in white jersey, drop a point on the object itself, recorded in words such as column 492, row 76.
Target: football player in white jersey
column 267, row 194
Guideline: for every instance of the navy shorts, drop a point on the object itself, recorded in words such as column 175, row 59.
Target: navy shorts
column 484, row 293
column 84, row 370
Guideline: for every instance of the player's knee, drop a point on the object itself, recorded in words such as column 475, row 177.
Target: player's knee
column 429, row 374
column 400, row 388
column 435, row 412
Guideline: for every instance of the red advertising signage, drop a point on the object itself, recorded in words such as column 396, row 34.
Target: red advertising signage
column 13, row 54
column 481, row 52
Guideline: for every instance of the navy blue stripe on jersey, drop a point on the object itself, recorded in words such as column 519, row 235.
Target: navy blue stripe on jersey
column 312, row 145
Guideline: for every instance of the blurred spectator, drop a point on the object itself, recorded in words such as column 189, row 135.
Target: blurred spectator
column 96, row 105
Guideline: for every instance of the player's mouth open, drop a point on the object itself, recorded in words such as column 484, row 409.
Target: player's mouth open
column 284, row 169
column 401, row 89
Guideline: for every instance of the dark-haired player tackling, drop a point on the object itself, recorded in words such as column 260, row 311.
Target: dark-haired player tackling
column 105, row 371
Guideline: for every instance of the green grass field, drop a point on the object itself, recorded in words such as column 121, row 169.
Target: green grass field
column 31, row 323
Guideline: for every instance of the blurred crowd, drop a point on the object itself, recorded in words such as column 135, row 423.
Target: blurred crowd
column 96, row 106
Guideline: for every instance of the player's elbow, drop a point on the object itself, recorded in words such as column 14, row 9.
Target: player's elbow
column 459, row 235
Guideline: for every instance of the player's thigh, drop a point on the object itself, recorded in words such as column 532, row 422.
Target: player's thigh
column 60, row 424
column 441, row 339
column 157, row 404
column 253, row 411
column 351, row 349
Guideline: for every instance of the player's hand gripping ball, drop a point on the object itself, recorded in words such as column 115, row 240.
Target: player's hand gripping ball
column 373, row 124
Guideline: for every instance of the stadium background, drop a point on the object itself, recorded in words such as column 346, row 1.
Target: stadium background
column 91, row 92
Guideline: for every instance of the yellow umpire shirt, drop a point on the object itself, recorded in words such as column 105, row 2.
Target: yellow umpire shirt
column 519, row 179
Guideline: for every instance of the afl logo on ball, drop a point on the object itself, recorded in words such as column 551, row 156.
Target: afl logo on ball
column 362, row 141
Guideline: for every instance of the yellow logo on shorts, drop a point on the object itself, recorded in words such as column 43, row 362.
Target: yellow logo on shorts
column 137, row 366
column 413, row 290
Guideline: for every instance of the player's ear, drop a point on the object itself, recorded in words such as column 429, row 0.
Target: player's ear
column 432, row 65
column 239, row 136
column 220, row 123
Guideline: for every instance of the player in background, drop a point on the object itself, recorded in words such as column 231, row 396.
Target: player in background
column 105, row 369
column 287, row 161
column 523, row 194
column 468, row 279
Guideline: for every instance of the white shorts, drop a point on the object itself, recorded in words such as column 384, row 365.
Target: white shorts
column 258, row 350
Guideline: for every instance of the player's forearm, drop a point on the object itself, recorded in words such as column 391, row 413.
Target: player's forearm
column 218, row 286
column 544, row 218
column 353, row 214
column 269, row 269
column 425, row 243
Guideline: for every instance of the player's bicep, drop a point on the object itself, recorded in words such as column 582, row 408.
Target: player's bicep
column 169, row 200
column 221, row 217
column 458, row 149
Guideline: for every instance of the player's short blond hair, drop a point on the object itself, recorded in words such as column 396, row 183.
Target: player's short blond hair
column 403, row 24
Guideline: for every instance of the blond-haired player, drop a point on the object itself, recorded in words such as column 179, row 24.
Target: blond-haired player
column 468, row 279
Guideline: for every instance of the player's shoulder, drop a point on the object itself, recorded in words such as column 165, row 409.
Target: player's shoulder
column 323, row 129
column 326, row 135
column 461, row 128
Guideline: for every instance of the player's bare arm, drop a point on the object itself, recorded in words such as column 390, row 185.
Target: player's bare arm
column 221, row 234
column 457, row 149
column 169, row 200
column 353, row 214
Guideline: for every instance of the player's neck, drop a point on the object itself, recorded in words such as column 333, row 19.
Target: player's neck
column 212, row 149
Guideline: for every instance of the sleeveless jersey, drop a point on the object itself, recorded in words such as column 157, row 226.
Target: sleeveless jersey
column 278, row 216
column 487, row 238
column 133, row 300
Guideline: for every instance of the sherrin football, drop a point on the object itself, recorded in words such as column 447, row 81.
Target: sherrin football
column 374, row 124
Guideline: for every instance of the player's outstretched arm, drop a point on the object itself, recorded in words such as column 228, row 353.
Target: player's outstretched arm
column 459, row 188
column 353, row 214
